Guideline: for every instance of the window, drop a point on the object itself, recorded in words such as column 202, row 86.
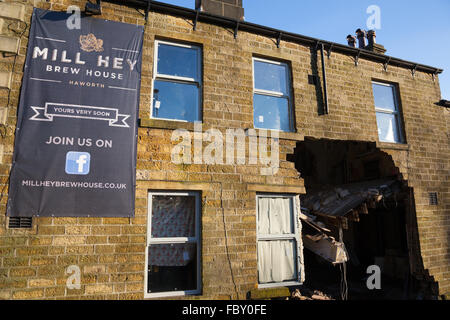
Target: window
column 278, row 234
column 388, row 113
column 173, row 245
column 176, row 82
column 272, row 102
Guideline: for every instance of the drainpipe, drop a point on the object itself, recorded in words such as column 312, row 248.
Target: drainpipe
column 324, row 76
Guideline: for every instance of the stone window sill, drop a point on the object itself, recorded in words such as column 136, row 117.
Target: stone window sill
column 285, row 135
column 165, row 124
column 395, row 146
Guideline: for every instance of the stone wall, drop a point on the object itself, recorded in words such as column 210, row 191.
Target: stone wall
column 111, row 252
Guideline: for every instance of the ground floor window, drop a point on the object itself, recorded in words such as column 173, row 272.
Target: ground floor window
column 173, row 244
column 279, row 243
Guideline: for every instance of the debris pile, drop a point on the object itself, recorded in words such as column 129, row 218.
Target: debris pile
column 307, row 294
column 337, row 204
column 334, row 207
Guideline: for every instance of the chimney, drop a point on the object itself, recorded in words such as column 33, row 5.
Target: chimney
column 373, row 45
column 372, row 39
column 361, row 35
column 232, row 9
column 351, row 41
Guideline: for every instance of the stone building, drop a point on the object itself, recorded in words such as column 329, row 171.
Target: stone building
column 345, row 118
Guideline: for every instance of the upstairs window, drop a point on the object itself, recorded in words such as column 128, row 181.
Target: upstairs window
column 177, row 82
column 388, row 113
column 272, row 98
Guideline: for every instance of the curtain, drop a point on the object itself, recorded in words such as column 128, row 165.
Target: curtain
column 276, row 261
column 276, row 258
column 171, row 255
column 172, row 217
column 275, row 216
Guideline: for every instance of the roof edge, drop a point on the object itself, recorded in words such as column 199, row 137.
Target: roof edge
column 275, row 33
column 443, row 103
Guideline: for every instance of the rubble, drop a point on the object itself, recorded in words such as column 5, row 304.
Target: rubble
column 307, row 294
column 348, row 201
column 335, row 205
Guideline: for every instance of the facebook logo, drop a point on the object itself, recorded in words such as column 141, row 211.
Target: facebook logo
column 78, row 162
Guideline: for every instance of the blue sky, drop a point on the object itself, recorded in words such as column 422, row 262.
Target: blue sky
column 413, row 30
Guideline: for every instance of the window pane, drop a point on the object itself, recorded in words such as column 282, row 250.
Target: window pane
column 277, row 261
column 387, row 127
column 173, row 216
column 271, row 113
column 178, row 61
column 269, row 76
column 384, row 97
column 172, row 267
column 275, row 216
column 177, row 101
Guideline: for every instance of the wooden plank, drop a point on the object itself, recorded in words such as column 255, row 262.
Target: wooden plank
column 312, row 223
column 344, row 223
column 364, row 209
column 327, row 248
column 329, row 220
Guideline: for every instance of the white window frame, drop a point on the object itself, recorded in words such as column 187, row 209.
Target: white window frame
column 396, row 113
column 179, row 240
column 176, row 79
column 295, row 236
column 276, row 94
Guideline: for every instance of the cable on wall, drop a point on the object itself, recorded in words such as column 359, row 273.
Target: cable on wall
column 226, row 240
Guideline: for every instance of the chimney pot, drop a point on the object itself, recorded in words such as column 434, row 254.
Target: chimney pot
column 361, row 35
column 372, row 37
column 351, row 41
